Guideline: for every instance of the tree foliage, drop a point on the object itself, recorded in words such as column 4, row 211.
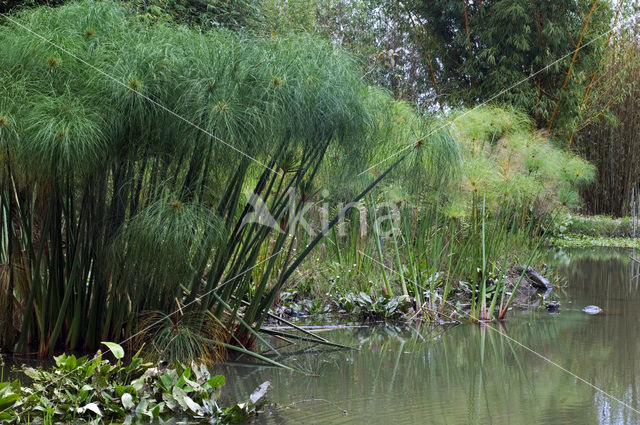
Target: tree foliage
column 450, row 53
column 482, row 48
column 610, row 140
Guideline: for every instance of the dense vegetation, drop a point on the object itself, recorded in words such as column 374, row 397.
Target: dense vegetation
column 113, row 206
column 610, row 140
column 570, row 65
column 98, row 391
column 137, row 138
column 452, row 237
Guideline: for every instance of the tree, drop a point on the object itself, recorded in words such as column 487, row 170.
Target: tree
column 611, row 139
column 481, row 49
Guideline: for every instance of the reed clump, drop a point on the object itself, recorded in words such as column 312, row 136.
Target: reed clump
column 126, row 194
column 456, row 229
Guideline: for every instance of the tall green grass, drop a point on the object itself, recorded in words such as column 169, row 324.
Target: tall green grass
column 111, row 206
column 460, row 231
column 113, row 209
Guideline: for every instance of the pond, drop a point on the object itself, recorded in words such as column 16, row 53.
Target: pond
column 470, row 374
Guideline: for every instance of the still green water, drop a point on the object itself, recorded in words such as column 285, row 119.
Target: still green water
column 468, row 374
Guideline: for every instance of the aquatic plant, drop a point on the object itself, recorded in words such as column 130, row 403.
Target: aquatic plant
column 456, row 232
column 597, row 225
column 97, row 390
column 374, row 308
column 180, row 336
column 583, row 241
column 129, row 192
column 512, row 166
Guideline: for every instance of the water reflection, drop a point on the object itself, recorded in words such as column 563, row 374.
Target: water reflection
column 468, row 374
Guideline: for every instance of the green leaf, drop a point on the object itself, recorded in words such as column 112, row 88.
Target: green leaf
column 138, row 384
column 8, row 401
column 217, row 381
column 6, row 416
column 116, row 349
column 165, row 382
column 83, row 395
column 142, row 407
column 32, row 373
column 157, row 409
column 71, row 363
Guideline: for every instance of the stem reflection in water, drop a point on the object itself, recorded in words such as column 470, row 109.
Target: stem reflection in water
column 466, row 374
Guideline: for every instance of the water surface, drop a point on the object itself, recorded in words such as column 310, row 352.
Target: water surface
column 468, row 374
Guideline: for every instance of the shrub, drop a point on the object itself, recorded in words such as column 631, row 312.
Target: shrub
column 512, row 166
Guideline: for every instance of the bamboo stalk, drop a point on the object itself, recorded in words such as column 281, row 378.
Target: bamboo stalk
column 428, row 53
column 573, row 59
column 595, row 71
column 467, row 29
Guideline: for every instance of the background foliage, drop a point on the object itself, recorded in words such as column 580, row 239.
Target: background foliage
column 610, row 140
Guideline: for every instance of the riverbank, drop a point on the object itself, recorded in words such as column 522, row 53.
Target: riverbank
column 458, row 374
column 586, row 241
column 597, row 231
